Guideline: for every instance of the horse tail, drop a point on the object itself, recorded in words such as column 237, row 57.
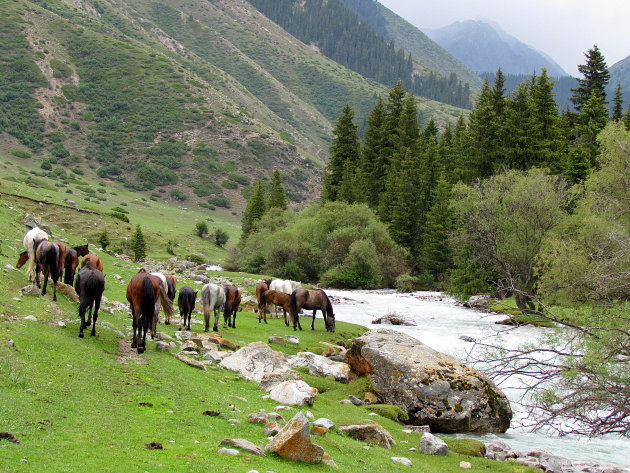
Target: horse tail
column 167, row 303
column 263, row 299
column 147, row 306
column 51, row 259
column 68, row 267
column 227, row 308
column 294, row 308
column 329, row 307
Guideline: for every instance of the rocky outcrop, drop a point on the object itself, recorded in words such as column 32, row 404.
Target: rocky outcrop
column 255, row 360
column 294, row 442
column 432, row 388
column 373, row 434
column 319, row 365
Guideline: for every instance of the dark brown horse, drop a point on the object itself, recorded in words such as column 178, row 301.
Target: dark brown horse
column 261, row 287
column 72, row 261
column 232, row 301
column 314, row 299
column 89, row 286
column 143, row 294
column 171, row 282
column 24, row 257
column 186, row 303
column 95, row 260
column 47, row 262
column 276, row 298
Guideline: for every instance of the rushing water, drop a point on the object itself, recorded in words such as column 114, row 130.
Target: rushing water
column 439, row 324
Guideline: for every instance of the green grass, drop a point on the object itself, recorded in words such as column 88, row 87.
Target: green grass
column 508, row 307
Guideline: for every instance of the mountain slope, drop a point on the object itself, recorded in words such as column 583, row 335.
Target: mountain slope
column 486, row 48
column 620, row 74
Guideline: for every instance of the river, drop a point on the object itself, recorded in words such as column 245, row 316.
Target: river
column 440, row 323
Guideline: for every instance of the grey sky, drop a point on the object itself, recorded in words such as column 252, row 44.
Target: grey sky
column 564, row 29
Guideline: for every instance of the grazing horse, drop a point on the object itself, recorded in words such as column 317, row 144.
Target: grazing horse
column 232, row 301
column 167, row 302
column 94, row 259
column 281, row 285
column 315, row 299
column 171, row 282
column 261, row 287
column 72, row 261
column 143, row 294
column 213, row 299
column 89, row 286
column 279, row 299
column 47, row 262
column 33, row 236
column 186, row 303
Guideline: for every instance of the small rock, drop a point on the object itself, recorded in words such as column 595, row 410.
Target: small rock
column 31, row 318
column 370, row 398
column 282, row 408
column 292, row 339
column 170, row 412
column 325, row 423
column 431, row 445
column 465, row 465
column 10, row 342
column 295, row 393
column 373, row 433
column 154, row 446
column 309, row 415
column 419, row 428
column 294, row 441
column 355, row 400
column 402, row 461
column 17, row 299
column 243, row 444
column 466, row 338
column 211, row 413
column 345, row 401
column 23, row 460
column 277, row 340
column 228, row 451
column 407, row 431
column 372, row 414
column 145, row 404
column 162, row 346
column 319, row 430
column 189, row 361
column 61, row 323
column 272, row 428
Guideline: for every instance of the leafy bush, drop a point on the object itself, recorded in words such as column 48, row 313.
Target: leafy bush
column 60, row 69
column 239, row 178
column 201, row 228
column 18, row 153
column 228, row 184
column 219, row 201
column 56, row 137
column 119, row 209
column 221, row 237
column 394, row 413
column 178, row 195
column 197, row 259
column 204, row 187
column 406, row 283
column 119, row 216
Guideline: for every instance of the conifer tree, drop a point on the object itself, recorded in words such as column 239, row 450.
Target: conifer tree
column 371, row 180
column 344, row 151
column 436, row 252
column 591, row 120
column 626, row 119
column 138, row 245
column 617, row 110
column 519, row 143
column 483, row 135
column 254, row 210
column 595, row 80
column 548, row 142
column 408, row 124
column 393, row 112
column 431, row 130
column 461, row 169
column 277, row 197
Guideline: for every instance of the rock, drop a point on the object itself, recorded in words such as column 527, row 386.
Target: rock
column 431, row 445
column 272, row 428
column 243, row 444
column 500, row 451
column 255, row 360
column 292, row 339
column 13, row 268
column 319, row 430
column 309, row 415
column 465, row 465
column 319, row 365
column 189, row 361
column 264, row 417
column 372, row 433
column 228, row 451
column 327, row 459
column 68, row 291
column 161, row 346
column 325, row 423
column 31, row 318
column 277, row 340
column 269, row 380
column 165, row 337
column 345, row 401
column 433, row 388
column 370, row 398
column 71, row 203
column 402, row 461
column 355, row 400
column 419, row 428
column 294, row 393
column 214, row 356
column 32, row 221
column 466, row 338
column 11, row 342
column 190, row 345
column 31, row 290
column 294, row 442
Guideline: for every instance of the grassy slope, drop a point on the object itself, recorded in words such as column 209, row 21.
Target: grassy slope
column 74, row 404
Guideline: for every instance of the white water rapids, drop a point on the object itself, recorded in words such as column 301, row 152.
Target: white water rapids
column 440, row 323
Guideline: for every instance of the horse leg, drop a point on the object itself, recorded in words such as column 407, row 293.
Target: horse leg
column 234, row 319
column 134, row 341
column 216, row 320
column 45, row 274
column 54, row 289
column 313, row 323
column 82, row 315
column 89, row 311
column 97, row 304
column 286, row 321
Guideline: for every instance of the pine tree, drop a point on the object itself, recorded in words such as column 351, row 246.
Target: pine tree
column 103, row 240
column 254, row 210
column 373, row 167
column 436, row 252
column 277, row 197
column 408, row 125
column 626, row 119
column 393, row 112
column 430, row 131
column 138, row 245
column 596, row 77
column 344, row 151
column 483, row 129
column 549, row 144
column 519, row 143
column 591, row 120
column 617, row 110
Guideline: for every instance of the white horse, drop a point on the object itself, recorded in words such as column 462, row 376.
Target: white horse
column 213, row 299
column 34, row 235
column 165, row 301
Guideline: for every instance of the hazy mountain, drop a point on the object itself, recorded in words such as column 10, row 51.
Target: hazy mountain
column 484, row 47
column 620, row 74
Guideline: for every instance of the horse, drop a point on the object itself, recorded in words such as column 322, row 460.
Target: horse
column 186, row 303
column 171, row 282
column 315, row 299
column 34, row 235
column 279, row 299
column 213, row 299
column 94, row 259
column 90, row 285
column 72, row 261
column 232, row 301
column 281, row 285
column 47, row 262
column 261, row 287
column 63, row 249
column 143, row 294
column 167, row 302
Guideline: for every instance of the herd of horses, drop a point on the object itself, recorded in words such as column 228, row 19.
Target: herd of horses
column 148, row 293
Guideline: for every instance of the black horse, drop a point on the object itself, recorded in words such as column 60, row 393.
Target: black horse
column 314, row 299
column 72, row 261
column 90, row 285
column 47, row 259
column 186, row 303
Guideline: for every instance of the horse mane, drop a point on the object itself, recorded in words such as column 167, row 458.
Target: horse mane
column 329, row 307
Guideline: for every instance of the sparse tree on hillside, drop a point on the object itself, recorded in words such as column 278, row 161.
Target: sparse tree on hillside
column 254, row 210
column 277, row 197
column 202, row 229
column 103, row 240
column 595, row 80
column 138, row 245
column 344, row 153
column 617, row 110
column 221, row 237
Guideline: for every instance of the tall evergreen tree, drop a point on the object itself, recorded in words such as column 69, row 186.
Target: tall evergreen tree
column 484, row 131
column 591, row 120
column 548, row 142
column 436, row 252
column 408, row 124
column 626, row 119
column 344, row 152
column 519, row 141
column 393, row 111
column 595, row 80
column 371, row 180
column 617, row 110
column 138, row 245
column 254, row 210
column 277, row 197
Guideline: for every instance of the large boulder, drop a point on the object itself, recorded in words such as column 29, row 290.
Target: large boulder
column 294, row 441
column 293, row 393
column 434, row 389
column 319, row 365
column 372, row 433
column 255, row 360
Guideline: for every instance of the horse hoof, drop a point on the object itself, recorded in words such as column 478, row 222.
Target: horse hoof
column 134, row 344
column 92, row 334
column 167, row 322
column 140, row 350
column 80, row 335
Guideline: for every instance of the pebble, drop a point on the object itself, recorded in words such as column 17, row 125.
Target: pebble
column 32, row 318
column 465, row 465
column 402, row 461
column 228, row 451
column 374, row 414
column 408, row 431
column 282, row 408
column 11, row 342
column 16, row 299
column 170, row 412
column 310, row 415
column 61, row 323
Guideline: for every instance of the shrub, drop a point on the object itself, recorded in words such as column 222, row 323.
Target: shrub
column 46, row 165
column 103, row 240
column 119, row 216
column 219, row 201
column 171, row 244
column 60, row 70
column 197, row 259
column 138, row 245
column 178, row 195
column 202, row 229
column 394, row 413
column 18, row 153
column 239, row 178
column 406, row 283
column 119, row 209
column 228, row 184
column 221, row 237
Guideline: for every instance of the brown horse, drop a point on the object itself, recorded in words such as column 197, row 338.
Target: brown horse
column 143, row 294
column 94, row 260
column 47, row 262
column 72, row 261
column 277, row 298
column 314, row 299
column 232, row 301
column 261, row 287
column 171, row 282
column 90, row 286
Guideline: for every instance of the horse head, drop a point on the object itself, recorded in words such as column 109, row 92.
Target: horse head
column 22, row 260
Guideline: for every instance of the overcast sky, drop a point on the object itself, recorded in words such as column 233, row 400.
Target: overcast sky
column 564, row 29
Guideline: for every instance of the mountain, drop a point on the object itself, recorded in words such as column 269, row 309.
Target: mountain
column 485, row 48
column 620, row 74
column 183, row 99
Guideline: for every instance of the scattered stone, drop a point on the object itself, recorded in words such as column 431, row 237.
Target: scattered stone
column 309, row 415
column 243, row 444
column 433, row 388
column 419, row 428
column 31, row 318
column 30, row 290
column 11, row 342
column 345, row 401
column 145, row 404
column 189, row 361
column 272, row 428
column 68, row 291
column 327, row 459
column 325, row 423
column 465, row 465
column 431, row 445
column 295, row 393
column 407, row 431
column 61, row 323
column 8, row 436
column 394, row 319
column 17, row 299
column 264, row 417
column 165, row 337
column 215, row 356
column 319, row 430
column 277, row 340
column 211, row 413
column 255, row 360
column 294, row 441
column 500, row 451
column 373, row 434
column 355, row 400
column 402, row 461
column 292, row 339
column 269, row 380
column 33, row 221
column 228, row 451
column 191, row 345
column 319, row 365
column 162, row 346
column 282, row 408
column 10, row 267
column 154, row 446
column 466, row 338
column 370, row 398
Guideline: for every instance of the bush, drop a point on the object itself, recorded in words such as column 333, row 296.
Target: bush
column 219, row 201
column 228, row 184
column 197, row 259
column 221, row 237
column 119, row 216
column 171, row 244
column 202, row 229
column 406, row 283
column 178, row 195
column 60, row 69
column 18, row 153
column 103, row 240
column 394, row 413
